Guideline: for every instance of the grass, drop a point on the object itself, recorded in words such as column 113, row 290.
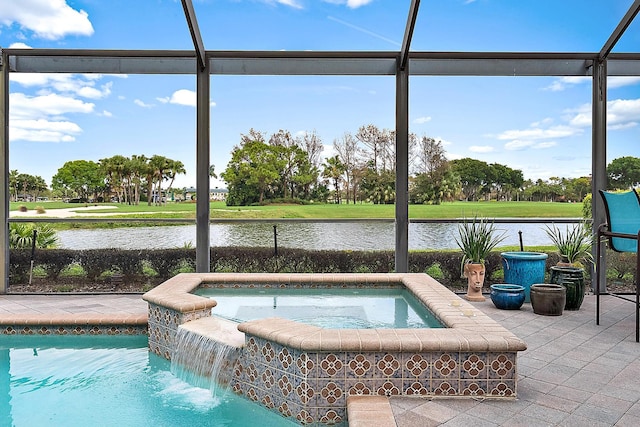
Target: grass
column 329, row 211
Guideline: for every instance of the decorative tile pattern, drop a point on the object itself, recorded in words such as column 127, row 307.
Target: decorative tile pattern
column 311, row 387
column 74, row 330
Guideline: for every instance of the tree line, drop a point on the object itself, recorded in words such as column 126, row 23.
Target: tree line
column 281, row 167
column 118, row 178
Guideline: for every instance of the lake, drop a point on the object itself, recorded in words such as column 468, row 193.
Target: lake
column 352, row 235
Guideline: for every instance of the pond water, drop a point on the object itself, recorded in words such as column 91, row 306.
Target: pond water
column 361, row 235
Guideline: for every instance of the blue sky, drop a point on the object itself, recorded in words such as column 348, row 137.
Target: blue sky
column 541, row 126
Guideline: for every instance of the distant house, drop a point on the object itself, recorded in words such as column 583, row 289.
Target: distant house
column 218, row 194
column 215, row 194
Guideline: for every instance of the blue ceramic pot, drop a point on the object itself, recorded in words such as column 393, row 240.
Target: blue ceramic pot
column 507, row 297
column 524, row 269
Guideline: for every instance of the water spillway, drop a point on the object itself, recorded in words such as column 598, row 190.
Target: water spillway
column 206, row 351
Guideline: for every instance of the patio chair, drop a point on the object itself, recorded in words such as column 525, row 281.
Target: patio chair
column 622, row 232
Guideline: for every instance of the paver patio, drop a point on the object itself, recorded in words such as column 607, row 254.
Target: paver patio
column 574, row 372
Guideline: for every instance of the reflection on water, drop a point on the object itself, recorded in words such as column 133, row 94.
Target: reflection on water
column 305, row 235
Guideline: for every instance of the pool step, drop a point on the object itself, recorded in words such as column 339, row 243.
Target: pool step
column 366, row 411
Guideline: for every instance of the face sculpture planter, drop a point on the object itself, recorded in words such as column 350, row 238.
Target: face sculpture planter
column 474, row 272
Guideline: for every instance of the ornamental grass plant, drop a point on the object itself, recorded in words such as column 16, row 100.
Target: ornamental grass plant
column 574, row 244
column 476, row 238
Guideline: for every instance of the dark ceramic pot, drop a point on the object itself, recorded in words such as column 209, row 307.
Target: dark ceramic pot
column 548, row 299
column 507, row 297
column 572, row 278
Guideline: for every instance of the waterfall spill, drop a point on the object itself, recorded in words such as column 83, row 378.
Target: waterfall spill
column 206, row 358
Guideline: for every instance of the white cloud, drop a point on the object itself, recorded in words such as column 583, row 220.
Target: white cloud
column 43, row 130
column 612, row 82
column 352, row 4
column 24, row 106
column 615, row 82
column 547, row 144
column 47, row 19
column 142, row 104
column 422, row 120
column 291, row 3
column 539, row 133
column 41, row 118
column 481, row 149
column 183, row 97
column 83, row 85
column 296, row 4
column 517, row 145
column 563, row 82
column 621, row 114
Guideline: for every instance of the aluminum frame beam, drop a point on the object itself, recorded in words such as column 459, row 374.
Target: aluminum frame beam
column 203, row 153
column 619, row 30
column 599, row 160
column 194, row 29
column 408, row 34
column 317, row 63
column 4, row 173
column 402, row 172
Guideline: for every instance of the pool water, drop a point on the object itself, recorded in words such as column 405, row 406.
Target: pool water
column 329, row 308
column 93, row 380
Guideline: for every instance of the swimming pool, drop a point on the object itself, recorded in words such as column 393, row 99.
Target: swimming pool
column 328, row 308
column 91, row 380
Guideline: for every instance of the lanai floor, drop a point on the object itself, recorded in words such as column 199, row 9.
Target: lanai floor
column 574, row 373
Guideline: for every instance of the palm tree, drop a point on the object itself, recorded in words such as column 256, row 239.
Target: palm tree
column 13, row 184
column 175, row 167
column 333, row 169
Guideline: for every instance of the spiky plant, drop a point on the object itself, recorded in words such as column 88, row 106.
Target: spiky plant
column 476, row 238
column 574, row 244
column 21, row 236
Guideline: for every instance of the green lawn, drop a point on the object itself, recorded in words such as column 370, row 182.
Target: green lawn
column 331, row 211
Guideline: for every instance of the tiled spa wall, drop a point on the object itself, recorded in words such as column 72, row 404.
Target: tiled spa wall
column 312, row 387
column 163, row 325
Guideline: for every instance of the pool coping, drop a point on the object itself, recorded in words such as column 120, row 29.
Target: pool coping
column 467, row 328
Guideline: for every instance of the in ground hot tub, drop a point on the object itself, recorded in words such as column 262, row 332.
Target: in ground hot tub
column 305, row 372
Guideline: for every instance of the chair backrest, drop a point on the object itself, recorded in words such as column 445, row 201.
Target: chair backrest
column 623, row 216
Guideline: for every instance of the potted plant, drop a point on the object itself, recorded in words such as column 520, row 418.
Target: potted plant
column 574, row 247
column 476, row 238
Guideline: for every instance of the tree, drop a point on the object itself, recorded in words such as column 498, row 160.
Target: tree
column 250, row 172
column 83, row 177
column 175, row 167
column 624, row 172
column 373, row 140
column 378, row 188
column 13, row 184
column 347, row 149
column 473, row 175
column 333, row 169
column 580, row 187
column 504, row 180
column 117, row 176
column 430, row 156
